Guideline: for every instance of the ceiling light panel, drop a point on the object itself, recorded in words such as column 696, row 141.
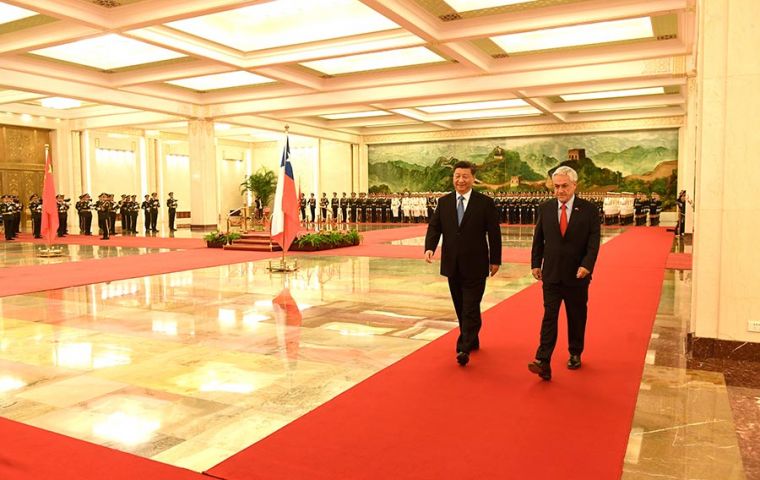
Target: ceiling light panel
column 285, row 22
column 589, row 34
column 221, row 80
column 461, row 107
column 60, row 103
column 495, row 113
column 10, row 13
column 403, row 57
column 108, row 52
column 469, row 5
column 343, row 116
column 613, row 94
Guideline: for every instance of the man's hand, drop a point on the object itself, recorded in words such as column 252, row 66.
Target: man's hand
column 536, row 273
column 493, row 269
column 429, row 256
column 582, row 273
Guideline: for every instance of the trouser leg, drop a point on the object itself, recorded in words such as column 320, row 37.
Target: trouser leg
column 552, row 302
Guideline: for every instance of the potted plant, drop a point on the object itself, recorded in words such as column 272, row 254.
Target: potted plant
column 326, row 240
column 217, row 239
column 262, row 184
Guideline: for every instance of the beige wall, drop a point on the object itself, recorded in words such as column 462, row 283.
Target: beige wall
column 726, row 258
column 335, row 160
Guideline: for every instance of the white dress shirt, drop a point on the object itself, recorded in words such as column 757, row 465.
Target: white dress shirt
column 569, row 205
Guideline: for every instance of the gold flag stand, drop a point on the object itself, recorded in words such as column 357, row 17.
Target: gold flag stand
column 283, row 266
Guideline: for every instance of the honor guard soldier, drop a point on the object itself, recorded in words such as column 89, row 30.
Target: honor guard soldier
column 35, row 209
column 361, row 206
column 84, row 210
column 155, row 204
column 655, row 207
column 640, row 209
column 145, row 206
column 134, row 212
column 111, row 214
column 344, row 207
column 387, row 208
column 353, row 205
column 121, row 209
column 63, row 215
column 313, row 207
column 172, row 203
column 334, row 205
column 259, row 206
column 302, row 207
column 103, row 207
column 6, row 210
column 18, row 209
column 323, row 204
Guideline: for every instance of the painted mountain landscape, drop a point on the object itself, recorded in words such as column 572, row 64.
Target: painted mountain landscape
column 640, row 161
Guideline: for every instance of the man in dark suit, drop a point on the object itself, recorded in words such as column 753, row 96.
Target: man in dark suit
column 471, row 251
column 565, row 246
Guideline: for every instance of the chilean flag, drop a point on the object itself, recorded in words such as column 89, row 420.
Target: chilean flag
column 49, row 225
column 285, row 222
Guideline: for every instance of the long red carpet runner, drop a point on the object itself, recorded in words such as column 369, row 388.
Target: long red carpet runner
column 37, row 278
column 30, row 453
column 426, row 418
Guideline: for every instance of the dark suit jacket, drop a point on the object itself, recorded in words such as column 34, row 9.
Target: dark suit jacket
column 559, row 257
column 465, row 249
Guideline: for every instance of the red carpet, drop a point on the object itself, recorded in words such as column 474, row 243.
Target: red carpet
column 29, row 453
column 119, row 241
column 426, row 418
column 679, row 261
column 36, row 278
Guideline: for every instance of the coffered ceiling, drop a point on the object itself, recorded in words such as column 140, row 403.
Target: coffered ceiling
column 343, row 68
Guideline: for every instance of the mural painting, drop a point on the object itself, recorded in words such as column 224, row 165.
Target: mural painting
column 636, row 161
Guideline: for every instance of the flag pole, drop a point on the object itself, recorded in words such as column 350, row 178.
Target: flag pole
column 283, row 267
column 49, row 250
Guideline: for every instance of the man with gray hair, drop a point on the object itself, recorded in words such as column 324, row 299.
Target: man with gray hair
column 565, row 246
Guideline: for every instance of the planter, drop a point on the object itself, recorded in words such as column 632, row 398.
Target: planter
column 215, row 244
column 316, row 248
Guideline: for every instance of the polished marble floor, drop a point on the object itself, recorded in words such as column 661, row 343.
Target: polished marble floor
column 19, row 254
column 191, row 367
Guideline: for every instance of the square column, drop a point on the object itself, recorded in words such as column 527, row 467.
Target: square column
column 204, row 180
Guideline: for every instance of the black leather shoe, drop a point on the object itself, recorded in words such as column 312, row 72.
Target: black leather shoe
column 574, row 363
column 541, row 368
column 463, row 358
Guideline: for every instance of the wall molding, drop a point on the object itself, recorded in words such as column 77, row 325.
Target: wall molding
column 530, row 130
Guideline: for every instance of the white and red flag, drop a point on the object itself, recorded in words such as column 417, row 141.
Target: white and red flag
column 285, row 222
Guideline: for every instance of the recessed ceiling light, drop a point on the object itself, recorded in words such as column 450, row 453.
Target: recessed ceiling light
column 484, row 114
column 609, row 109
column 468, row 5
column 10, row 13
column 222, row 126
column 375, row 61
column 461, row 107
column 589, row 34
column 285, row 22
column 613, row 94
column 108, row 52
column 60, row 103
column 221, row 80
column 343, row 116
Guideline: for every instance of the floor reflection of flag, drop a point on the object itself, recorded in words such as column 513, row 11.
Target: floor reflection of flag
column 288, row 321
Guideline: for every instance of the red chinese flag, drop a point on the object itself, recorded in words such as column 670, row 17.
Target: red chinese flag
column 49, row 203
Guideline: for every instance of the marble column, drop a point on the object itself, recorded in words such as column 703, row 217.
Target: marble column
column 726, row 287
column 204, row 181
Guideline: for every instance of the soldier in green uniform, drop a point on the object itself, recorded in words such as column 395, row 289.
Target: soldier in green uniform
column 171, row 204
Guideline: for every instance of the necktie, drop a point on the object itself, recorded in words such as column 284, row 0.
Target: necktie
column 563, row 220
column 460, row 209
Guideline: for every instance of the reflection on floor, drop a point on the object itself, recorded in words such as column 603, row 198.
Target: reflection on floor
column 514, row 236
column 191, row 367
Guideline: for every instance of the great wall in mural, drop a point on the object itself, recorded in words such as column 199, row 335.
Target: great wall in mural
column 638, row 161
